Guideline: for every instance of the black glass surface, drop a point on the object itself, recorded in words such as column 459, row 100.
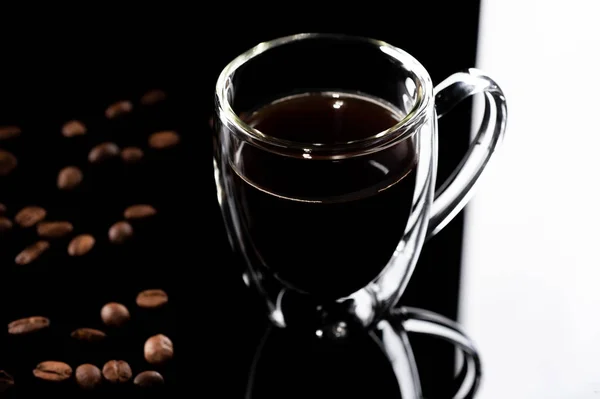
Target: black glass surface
column 213, row 320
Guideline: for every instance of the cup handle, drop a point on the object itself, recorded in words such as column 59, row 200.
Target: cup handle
column 394, row 332
column 454, row 194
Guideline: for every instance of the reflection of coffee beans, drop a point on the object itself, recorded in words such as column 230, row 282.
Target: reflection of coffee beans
column 69, row 178
column 28, row 325
column 73, row 128
column 88, row 376
column 88, row 335
column 139, row 211
column 148, row 379
column 7, row 162
column 117, row 371
column 152, row 97
column 120, row 232
column 81, row 245
column 165, row 139
column 118, row 109
column 54, row 229
column 8, row 132
column 132, row 154
column 151, row 299
column 102, row 152
column 53, row 371
column 30, row 215
column 31, row 253
column 2, row 209
column 158, row 349
column 114, row 314
column 5, row 224
column 6, row 381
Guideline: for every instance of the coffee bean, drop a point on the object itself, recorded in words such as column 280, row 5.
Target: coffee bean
column 120, row 232
column 154, row 298
column 118, row 109
column 69, row 178
column 28, row 325
column 103, row 151
column 53, row 371
column 117, row 371
column 114, row 314
column 7, row 162
column 148, row 379
column 5, row 224
column 30, row 215
column 139, row 211
column 132, row 154
column 81, row 245
column 6, row 381
column 152, row 97
column 74, row 128
column 31, row 253
column 54, row 229
column 88, row 335
column 158, row 349
column 8, row 132
column 165, row 139
column 2, row 209
column 88, row 376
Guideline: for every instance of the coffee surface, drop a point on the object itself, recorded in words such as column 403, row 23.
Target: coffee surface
column 325, row 227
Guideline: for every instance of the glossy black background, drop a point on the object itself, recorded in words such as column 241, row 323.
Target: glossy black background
column 74, row 67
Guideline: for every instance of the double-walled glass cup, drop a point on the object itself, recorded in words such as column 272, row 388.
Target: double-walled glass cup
column 330, row 227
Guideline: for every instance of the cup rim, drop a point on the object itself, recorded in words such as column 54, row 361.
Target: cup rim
column 405, row 128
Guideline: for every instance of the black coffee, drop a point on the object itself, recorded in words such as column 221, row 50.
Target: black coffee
column 326, row 227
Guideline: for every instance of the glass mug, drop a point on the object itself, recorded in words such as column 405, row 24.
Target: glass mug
column 325, row 165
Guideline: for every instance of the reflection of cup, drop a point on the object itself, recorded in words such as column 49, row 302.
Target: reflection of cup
column 376, row 363
column 325, row 163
